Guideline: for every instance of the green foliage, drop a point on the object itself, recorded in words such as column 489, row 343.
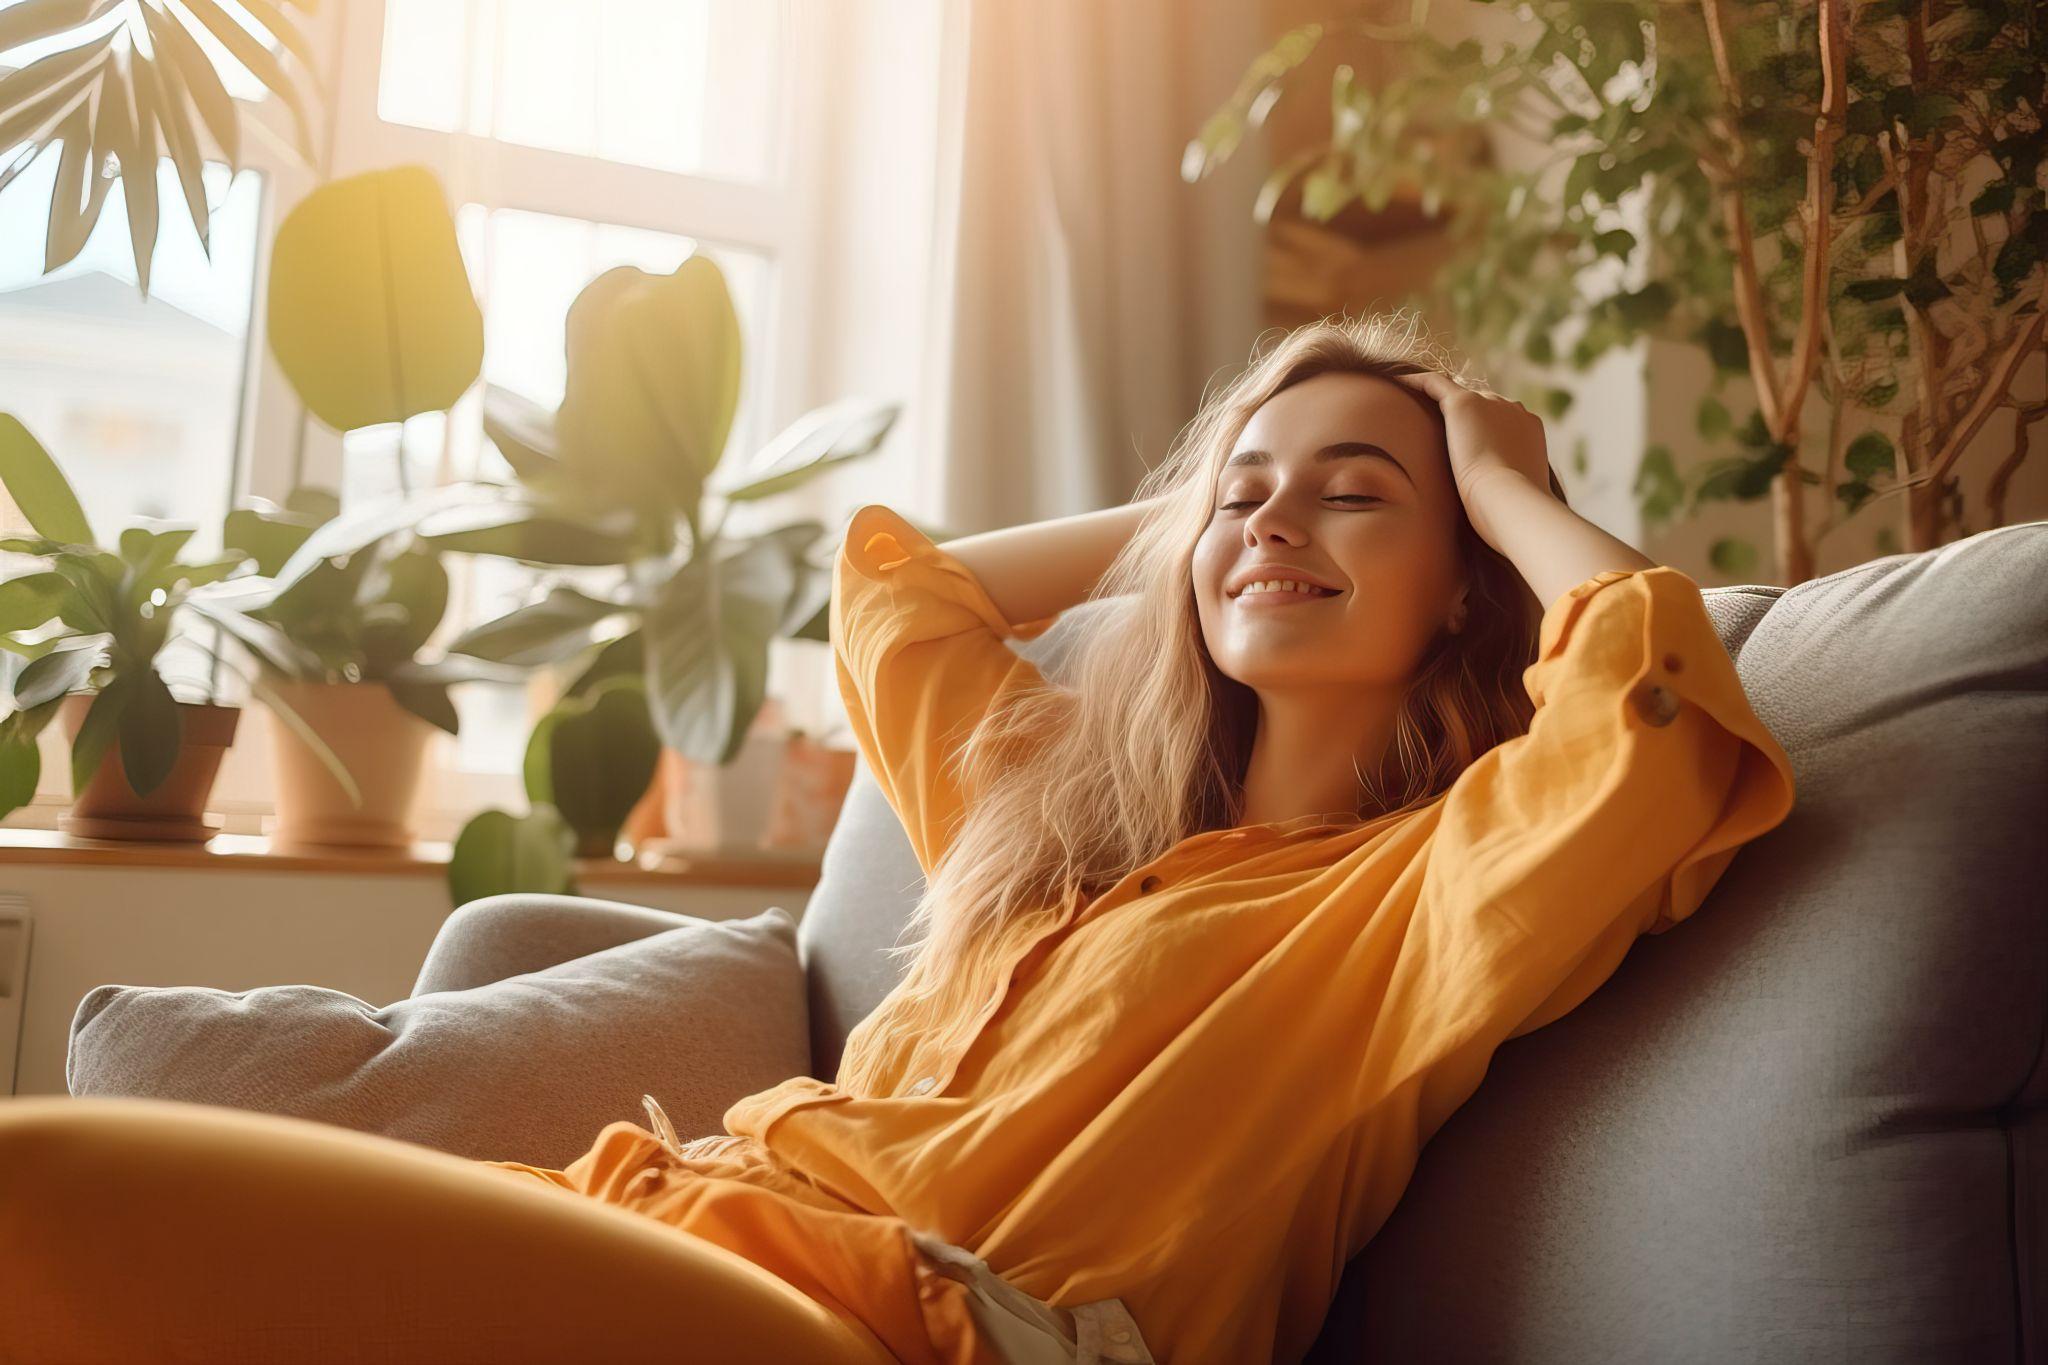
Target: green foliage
column 94, row 620
column 591, row 758
column 621, row 476
column 114, row 104
column 498, row 853
column 1578, row 79
column 357, row 598
column 370, row 312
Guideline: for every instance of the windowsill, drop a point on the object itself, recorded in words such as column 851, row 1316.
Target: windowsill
column 254, row 852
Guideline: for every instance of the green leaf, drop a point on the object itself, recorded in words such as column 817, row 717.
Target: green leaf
column 370, row 311
column 31, row 600
column 591, row 757
column 199, row 78
column 430, row 702
column 96, row 736
column 522, row 430
column 415, row 584
column 21, row 768
column 1869, row 455
column 707, row 636
column 254, row 54
column 181, row 139
column 548, row 631
column 653, row 382
column 38, row 487
column 497, row 854
column 58, row 673
column 268, row 644
column 266, row 535
column 151, row 731
column 524, row 531
column 71, row 222
column 819, row 440
column 1712, row 420
column 1733, row 556
column 623, row 657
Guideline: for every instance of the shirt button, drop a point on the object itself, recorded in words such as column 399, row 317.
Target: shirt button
column 1120, row 1334
column 1149, row 885
column 923, row 1084
column 1656, row 703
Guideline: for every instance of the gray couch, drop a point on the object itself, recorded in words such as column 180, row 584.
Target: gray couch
column 1805, row 1126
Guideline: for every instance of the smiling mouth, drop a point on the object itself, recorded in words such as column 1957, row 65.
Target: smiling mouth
column 1281, row 597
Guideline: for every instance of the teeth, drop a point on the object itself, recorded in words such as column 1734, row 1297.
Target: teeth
column 1280, row 585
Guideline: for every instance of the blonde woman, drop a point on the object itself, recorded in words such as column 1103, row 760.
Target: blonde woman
column 1381, row 756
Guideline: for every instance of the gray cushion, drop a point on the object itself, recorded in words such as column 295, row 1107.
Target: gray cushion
column 1808, row 1123
column 525, row 1068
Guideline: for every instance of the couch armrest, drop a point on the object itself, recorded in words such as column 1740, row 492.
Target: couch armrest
column 504, row 936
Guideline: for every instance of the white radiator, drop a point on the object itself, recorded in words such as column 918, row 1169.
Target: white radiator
column 15, row 922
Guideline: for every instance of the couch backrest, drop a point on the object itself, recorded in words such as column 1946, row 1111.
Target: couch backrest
column 1808, row 1123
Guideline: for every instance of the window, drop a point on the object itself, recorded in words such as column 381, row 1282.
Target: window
column 569, row 138
column 138, row 398
column 632, row 81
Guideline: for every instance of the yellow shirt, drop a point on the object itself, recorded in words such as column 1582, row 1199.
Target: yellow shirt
column 1204, row 1090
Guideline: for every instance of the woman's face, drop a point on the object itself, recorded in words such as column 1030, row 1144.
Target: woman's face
column 1345, row 478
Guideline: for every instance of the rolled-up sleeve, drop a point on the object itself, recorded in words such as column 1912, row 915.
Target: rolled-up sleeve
column 921, row 656
column 1644, row 770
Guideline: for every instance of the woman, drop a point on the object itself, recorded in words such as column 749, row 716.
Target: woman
column 1385, row 757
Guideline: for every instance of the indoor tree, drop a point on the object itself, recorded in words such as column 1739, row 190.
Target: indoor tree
column 1846, row 201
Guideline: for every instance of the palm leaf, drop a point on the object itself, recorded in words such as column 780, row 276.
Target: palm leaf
column 262, row 63
column 70, row 224
column 181, row 140
column 202, row 83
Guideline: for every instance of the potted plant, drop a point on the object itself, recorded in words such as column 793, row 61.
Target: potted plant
column 372, row 319
column 588, row 763
column 361, row 618
column 623, row 474
column 82, row 639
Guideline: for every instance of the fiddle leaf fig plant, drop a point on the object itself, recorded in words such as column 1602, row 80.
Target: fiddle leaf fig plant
column 632, row 466
column 95, row 620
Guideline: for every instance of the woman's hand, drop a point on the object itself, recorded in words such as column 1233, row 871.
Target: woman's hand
column 1485, row 433
column 1554, row 547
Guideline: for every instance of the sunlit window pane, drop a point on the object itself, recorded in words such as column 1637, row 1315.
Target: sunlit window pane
column 137, row 398
column 422, row 82
column 690, row 86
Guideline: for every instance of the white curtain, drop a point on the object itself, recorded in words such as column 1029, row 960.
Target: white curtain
column 1007, row 245
column 994, row 233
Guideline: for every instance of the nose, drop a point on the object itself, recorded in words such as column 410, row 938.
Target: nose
column 1270, row 518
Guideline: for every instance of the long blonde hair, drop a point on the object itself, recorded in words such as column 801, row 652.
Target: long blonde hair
column 1145, row 742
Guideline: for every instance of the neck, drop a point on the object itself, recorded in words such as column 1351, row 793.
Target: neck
column 1307, row 745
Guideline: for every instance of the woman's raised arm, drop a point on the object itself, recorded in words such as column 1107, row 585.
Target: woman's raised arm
column 1041, row 568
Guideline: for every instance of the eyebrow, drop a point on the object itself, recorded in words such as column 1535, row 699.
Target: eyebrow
column 1340, row 450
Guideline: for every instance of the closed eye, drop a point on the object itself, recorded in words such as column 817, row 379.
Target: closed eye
column 1338, row 497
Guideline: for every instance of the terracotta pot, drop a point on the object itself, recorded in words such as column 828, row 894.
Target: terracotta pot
column 384, row 748
column 108, row 808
